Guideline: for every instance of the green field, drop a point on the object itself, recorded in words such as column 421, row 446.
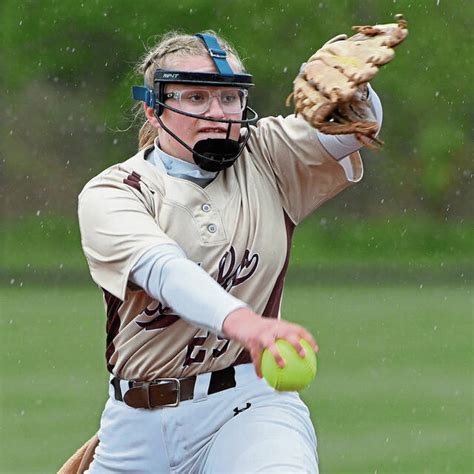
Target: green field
column 394, row 390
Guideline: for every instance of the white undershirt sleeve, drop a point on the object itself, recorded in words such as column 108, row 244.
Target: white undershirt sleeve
column 168, row 276
column 340, row 146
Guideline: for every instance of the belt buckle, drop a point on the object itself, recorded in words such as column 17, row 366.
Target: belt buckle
column 178, row 390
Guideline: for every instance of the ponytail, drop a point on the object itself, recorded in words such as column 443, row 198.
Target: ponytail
column 146, row 135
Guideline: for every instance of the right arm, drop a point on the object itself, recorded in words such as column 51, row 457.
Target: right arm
column 201, row 301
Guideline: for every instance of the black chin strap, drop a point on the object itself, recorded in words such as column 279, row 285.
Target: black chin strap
column 214, row 154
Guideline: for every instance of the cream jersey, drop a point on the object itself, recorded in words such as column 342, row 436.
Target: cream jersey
column 238, row 229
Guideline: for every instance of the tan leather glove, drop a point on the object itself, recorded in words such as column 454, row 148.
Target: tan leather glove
column 330, row 92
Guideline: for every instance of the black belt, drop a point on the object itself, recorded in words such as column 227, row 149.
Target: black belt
column 169, row 391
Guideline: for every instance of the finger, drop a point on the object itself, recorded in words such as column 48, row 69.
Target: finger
column 293, row 333
column 307, row 336
column 256, row 356
column 336, row 38
column 294, row 340
column 277, row 356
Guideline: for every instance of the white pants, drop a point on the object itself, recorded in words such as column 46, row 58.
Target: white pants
column 218, row 433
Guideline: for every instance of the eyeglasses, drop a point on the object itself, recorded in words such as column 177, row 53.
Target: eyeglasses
column 198, row 101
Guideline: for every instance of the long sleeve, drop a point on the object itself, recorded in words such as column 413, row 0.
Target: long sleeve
column 167, row 275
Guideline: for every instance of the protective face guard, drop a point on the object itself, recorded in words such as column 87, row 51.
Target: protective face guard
column 212, row 154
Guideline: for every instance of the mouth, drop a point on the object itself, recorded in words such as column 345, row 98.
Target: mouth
column 212, row 130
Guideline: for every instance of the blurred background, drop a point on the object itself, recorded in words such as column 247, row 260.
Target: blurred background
column 382, row 274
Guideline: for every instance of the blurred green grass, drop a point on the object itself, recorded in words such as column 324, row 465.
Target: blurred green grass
column 394, row 391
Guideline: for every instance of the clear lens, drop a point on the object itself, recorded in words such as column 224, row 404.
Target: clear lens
column 198, row 101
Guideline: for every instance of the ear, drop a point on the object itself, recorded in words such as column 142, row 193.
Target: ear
column 150, row 115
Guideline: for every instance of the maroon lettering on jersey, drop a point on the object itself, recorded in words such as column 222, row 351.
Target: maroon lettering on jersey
column 195, row 355
column 155, row 307
column 219, row 350
column 113, row 305
column 133, row 180
column 228, row 276
column 160, row 321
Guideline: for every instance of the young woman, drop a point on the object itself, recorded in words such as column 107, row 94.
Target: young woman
column 189, row 240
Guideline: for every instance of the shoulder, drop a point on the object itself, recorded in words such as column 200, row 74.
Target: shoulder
column 135, row 173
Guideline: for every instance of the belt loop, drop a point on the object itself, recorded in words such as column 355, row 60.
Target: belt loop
column 115, row 382
column 201, row 387
column 146, row 388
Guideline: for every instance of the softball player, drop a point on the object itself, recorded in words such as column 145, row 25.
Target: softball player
column 189, row 240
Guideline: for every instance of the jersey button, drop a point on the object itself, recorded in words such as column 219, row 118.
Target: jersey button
column 206, row 207
column 212, row 228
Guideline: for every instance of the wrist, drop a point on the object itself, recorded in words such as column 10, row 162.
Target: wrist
column 237, row 321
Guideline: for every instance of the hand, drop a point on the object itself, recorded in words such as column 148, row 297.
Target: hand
column 329, row 89
column 257, row 333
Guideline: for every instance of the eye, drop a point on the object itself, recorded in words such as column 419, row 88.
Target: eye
column 195, row 97
column 229, row 97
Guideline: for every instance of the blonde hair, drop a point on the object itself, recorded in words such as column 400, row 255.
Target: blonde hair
column 172, row 45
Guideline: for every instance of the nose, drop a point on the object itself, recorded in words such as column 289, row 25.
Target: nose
column 215, row 108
